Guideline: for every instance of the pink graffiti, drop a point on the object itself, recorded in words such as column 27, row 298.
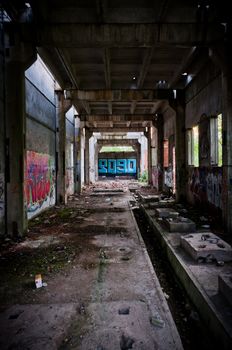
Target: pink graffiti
column 39, row 179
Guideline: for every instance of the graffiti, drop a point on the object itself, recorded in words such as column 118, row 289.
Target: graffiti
column 2, row 197
column 206, row 185
column 39, row 182
column 168, row 177
column 117, row 166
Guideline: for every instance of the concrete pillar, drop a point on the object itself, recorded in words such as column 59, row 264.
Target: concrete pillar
column 20, row 58
column 160, row 152
column 180, row 146
column 2, row 134
column 77, row 156
column 62, row 107
column 16, row 148
column 87, row 155
column 92, row 159
column 96, row 150
column 227, row 142
column 149, row 168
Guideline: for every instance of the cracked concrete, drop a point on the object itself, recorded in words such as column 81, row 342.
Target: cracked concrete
column 107, row 269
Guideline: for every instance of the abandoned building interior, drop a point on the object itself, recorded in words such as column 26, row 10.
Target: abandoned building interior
column 115, row 174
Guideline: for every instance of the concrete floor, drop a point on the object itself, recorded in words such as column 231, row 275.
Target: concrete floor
column 102, row 292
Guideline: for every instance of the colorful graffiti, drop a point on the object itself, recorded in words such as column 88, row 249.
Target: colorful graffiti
column 206, row 185
column 117, row 166
column 39, row 182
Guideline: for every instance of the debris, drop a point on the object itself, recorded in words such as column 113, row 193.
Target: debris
column 126, row 342
column 157, row 321
column 107, row 199
column 38, row 281
column 220, row 263
column 46, row 222
column 166, row 296
column 194, row 316
column 124, row 311
column 203, row 218
column 44, row 284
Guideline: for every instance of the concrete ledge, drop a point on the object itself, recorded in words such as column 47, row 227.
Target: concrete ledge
column 219, row 327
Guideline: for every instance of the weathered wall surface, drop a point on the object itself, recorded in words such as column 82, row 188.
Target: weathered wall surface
column 2, row 153
column 70, row 130
column 40, row 171
column 204, row 99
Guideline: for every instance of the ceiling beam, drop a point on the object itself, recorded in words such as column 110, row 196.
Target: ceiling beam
column 118, row 35
column 86, row 106
column 106, row 59
column 110, row 108
column 121, row 95
column 145, row 67
column 187, row 60
column 133, row 107
column 117, row 118
column 117, row 129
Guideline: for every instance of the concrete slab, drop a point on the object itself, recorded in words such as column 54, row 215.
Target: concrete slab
column 180, row 224
column 208, row 246
column 146, row 198
column 35, row 326
column 118, row 301
column 166, row 213
column 225, row 286
column 200, row 282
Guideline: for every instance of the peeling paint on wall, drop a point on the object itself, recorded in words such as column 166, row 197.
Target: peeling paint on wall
column 39, row 182
column 206, row 185
column 168, row 177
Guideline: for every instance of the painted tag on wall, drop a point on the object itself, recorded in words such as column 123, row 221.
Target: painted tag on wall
column 39, row 182
column 116, row 167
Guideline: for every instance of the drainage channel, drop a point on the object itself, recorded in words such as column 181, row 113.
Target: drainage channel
column 193, row 332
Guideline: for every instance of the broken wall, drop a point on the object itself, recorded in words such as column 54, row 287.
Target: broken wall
column 40, row 173
column 204, row 100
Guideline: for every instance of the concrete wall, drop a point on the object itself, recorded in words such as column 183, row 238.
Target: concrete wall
column 70, row 130
column 40, row 173
column 2, row 137
column 204, row 99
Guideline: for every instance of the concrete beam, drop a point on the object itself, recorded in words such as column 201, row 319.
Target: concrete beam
column 184, row 66
column 117, row 118
column 133, row 107
column 117, row 129
column 122, row 95
column 106, row 59
column 145, row 67
column 122, row 142
column 118, row 35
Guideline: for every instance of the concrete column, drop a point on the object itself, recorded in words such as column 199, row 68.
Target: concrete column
column 92, row 159
column 62, row 107
column 227, row 142
column 16, row 148
column 2, row 134
column 149, row 168
column 77, row 156
column 160, row 152
column 180, row 146
column 87, row 155
column 96, row 150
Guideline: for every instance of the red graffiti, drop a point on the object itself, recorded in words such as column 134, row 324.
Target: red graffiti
column 39, row 179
